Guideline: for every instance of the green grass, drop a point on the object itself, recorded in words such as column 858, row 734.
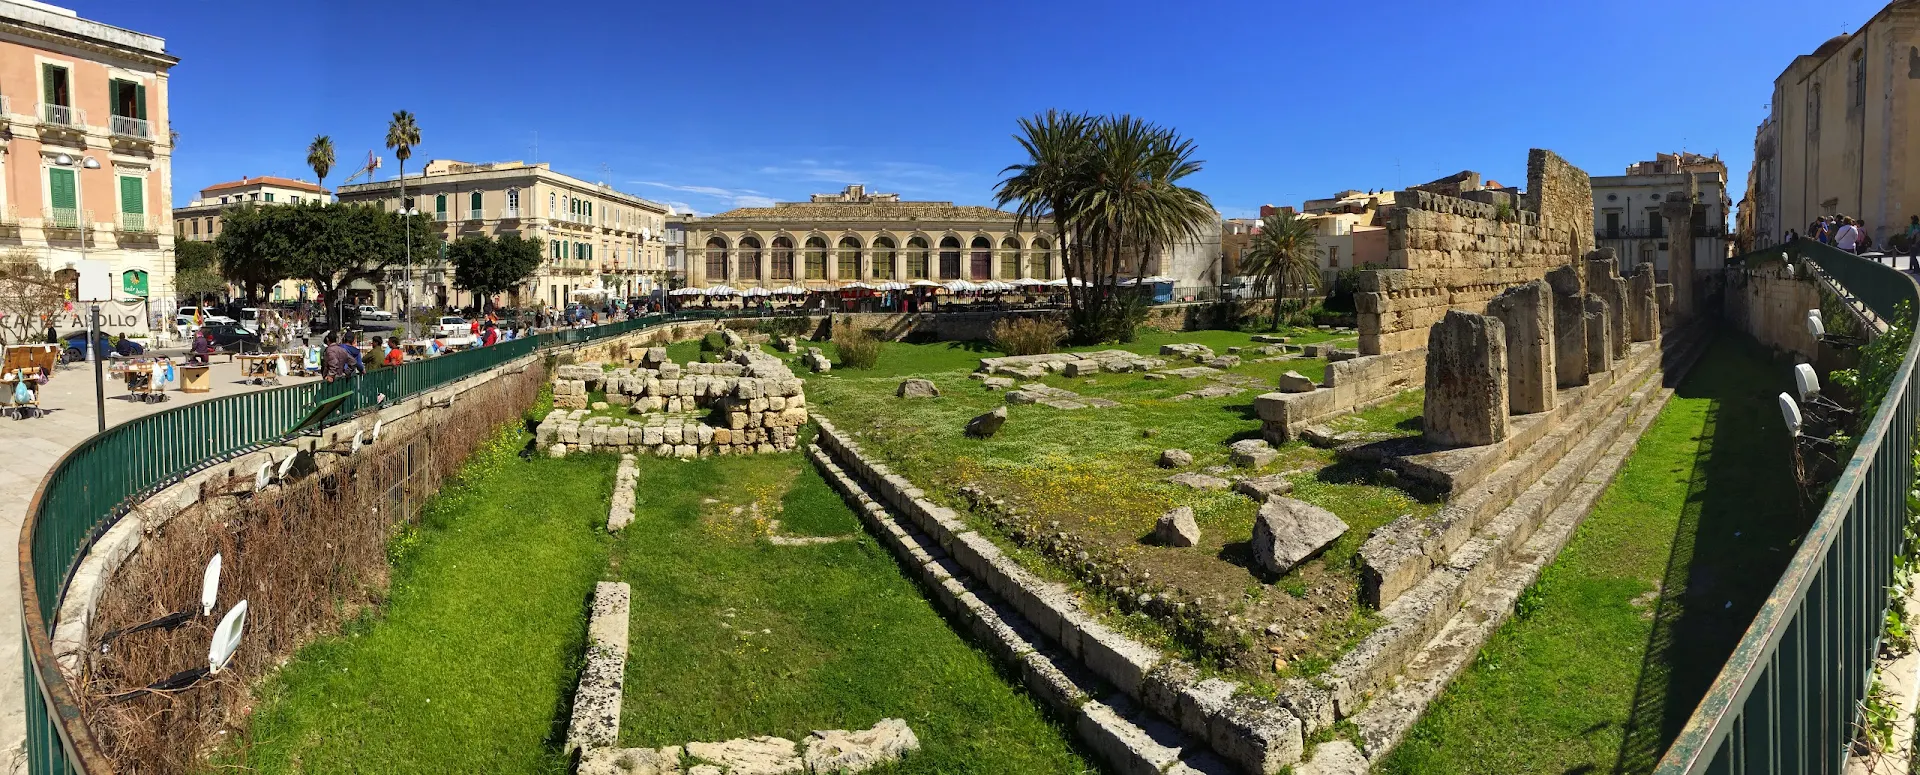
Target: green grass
column 1630, row 624
column 1400, row 415
column 733, row 636
column 1094, row 471
column 474, row 656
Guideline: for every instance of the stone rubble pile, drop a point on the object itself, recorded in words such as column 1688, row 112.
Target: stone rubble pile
column 1198, row 353
column 757, row 406
column 826, row 752
column 1069, row 364
column 1058, row 398
column 816, row 360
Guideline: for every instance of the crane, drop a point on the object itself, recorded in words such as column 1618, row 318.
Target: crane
column 373, row 163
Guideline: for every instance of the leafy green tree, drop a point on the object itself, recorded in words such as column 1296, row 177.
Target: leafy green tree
column 331, row 247
column 488, row 266
column 1281, row 254
column 255, row 247
column 320, row 158
column 196, row 269
column 1111, row 186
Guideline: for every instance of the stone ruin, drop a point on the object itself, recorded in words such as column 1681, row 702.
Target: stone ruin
column 754, row 404
column 1466, row 403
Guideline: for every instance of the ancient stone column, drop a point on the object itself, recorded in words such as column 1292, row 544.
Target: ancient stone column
column 1466, row 403
column 1604, row 280
column 1678, row 210
column 1569, row 328
column 1643, row 310
column 1526, row 312
column 1599, row 338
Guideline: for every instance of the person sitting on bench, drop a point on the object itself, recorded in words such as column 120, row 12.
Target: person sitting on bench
column 202, row 347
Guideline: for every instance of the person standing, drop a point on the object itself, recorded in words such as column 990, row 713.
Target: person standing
column 1847, row 237
column 353, row 349
column 1913, row 242
column 335, row 361
column 396, row 355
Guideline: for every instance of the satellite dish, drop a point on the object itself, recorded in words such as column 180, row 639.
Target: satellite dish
column 287, row 464
column 263, row 476
column 356, row 442
column 1790, row 412
column 226, row 638
column 1814, row 326
column 377, row 425
column 210, row 586
column 1805, row 381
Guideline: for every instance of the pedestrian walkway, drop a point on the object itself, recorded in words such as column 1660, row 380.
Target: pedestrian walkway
column 28, row 449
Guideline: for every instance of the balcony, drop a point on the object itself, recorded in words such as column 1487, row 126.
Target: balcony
column 510, row 214
column 441, row 216
column 61, row 116
column 128, row 126
column 136, row 223
column 66, row 218
column 476, row 215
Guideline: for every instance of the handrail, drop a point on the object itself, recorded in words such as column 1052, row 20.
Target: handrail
column 96, row 482
column 1787, row 698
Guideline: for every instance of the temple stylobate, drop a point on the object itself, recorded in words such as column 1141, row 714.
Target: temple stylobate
column 857, row 236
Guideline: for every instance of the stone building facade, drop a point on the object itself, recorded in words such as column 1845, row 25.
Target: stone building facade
column 1628, row 211
column 1446, row 252
column 596, row 237
column 200, row 219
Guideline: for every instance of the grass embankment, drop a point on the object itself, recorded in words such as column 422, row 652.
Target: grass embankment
column 1094, row 471
column 733, row 636
column 1609, row 653
column 471, row 661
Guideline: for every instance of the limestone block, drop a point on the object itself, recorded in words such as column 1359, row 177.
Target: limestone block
column 917, row 388
column 1643, row 308
column 1086, row 368
column 984, row 426
column 1288, row 532
column 1175, row 458
column 1569, row 328
column 1599, row 336
column 1526, row 313
column 1252, row 453
column 1466, row 398
column 1295, row 382
column 722, row 436
column 672, row 434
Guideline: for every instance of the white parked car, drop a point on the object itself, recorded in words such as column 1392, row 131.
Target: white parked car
column 453, row 326
column 370, row 312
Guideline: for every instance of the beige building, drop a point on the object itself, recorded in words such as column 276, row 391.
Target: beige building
column 1627, row 215
column 1840, row 136
column 86, row 159
column 1346, row 230
column 199, row 220
column 854, row 235
column 596, row 237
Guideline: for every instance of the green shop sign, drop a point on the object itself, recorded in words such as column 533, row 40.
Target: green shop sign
column 134, row 282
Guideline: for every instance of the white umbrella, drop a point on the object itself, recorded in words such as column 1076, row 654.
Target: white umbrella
column 719, row 290
column 1029, row 281
column 856, row 285
column 960, row 286
column 685, row 292
column 892, row 285
column 756, row 291
column 925, row 283
column 790, row 290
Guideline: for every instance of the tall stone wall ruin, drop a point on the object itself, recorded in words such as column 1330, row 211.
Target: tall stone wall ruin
column 1452, row 252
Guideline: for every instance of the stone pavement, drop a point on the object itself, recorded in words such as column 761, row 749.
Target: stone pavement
column 28, row 449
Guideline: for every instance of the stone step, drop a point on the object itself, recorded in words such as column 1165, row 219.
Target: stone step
column 1126, row 737
column 1400, row 554
column 1384, row 722
column 1419, row 616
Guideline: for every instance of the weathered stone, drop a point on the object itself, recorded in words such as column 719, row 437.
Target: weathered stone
column 751, row 756
column 1569, row 328
column 984, row 426
column 1177, row 528
column 1466, row 398
column 1223, row 362
column 1678, row 210
column 1175, row 458
column 1295, row 382
column 917, row 388
column 1252, row 453
column 1199, row 481
column 1264, row 488
column 835, row 750
column 997, row 383
column 1187, row 350
column 630, row 761
column 1081, row 368
column 1643, row 308
column 1525, row 312
column 1288, row 532
column 1339, row 355
column 1334, row 757
column 1022, row 397
column 1599, row 335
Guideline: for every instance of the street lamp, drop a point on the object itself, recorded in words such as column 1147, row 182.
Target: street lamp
column 93, row 325
column 406, row 287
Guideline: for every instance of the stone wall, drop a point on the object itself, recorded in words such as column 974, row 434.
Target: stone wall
column 1446, row 252
column 1348, row 386
column 1771, row 306
column 756, row 405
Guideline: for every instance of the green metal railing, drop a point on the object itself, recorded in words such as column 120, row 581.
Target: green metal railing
column 95, row 483
column 1788, row 698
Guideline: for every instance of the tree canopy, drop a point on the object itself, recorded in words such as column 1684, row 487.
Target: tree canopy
column 1110, row 185
column 1282, row 255
column 488, row 266
column 329, row 246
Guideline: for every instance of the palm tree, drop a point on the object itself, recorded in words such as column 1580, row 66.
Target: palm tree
column 320, row 158
column 1057, row 146
column 1281, row 254
column 1131, row 203
column 402, row 135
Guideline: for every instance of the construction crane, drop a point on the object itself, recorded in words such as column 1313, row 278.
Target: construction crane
column 373, row 163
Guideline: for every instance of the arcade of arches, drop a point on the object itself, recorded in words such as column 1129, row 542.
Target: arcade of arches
column 746, row 258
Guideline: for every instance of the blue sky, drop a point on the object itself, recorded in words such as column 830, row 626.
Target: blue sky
column 715, row 105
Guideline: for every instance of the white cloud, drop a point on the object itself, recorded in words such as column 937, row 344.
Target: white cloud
column 752, row 201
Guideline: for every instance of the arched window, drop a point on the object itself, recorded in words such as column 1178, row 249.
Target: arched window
column 440, row 206
column 475, row 199
column 816, row 258
column 749, row 259
column 916, row 259
column 980, row 263
column 883, row 258
column 849, row 265
column 1040, row 264
column 949, row 258
column 1009, row 258
column 716, row 259
column 513, row 203
column 782, row 258
column 552, row 200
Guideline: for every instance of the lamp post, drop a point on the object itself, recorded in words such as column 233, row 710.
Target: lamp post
column 93, row 324
column 406, row 287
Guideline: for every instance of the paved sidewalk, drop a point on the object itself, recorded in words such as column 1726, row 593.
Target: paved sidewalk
column 28, row 449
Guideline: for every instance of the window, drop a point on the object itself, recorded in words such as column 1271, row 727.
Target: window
column 1654, row 225
column 1857, row 83
column 223, row 200
column 1040, row 267
column 949, row 258
column 849, row 265
column 513, row 200
column 749, row 259
column 883, row 258
column 917, row 259
column 440, row 205
column 196, row 227
column 54, row 86
column 269, row 196
column 816, row 258
column 296, row 199
column 132, row 195
column 60, row 195
column 716, row 258
column 1813, row 112
column 1009, row 258
column 127, row 99
column 782, row 258
column 475, row 199
column 550, row 205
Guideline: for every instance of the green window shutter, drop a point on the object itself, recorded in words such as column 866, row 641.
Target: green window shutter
column 51, row 76
column 132, row 196
column 476, row 200
column 113, row 96
column 140, row 101
column 60, row 185
column 439, row 203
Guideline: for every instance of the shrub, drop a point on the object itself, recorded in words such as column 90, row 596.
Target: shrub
column 1027, row 335
column 787, row 326
column 859, row 349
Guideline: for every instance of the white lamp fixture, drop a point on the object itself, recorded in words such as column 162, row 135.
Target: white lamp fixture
column 226, row 638
column 210, row 586
column 1814, row 325
column 1805, row 382
column 1790, row 412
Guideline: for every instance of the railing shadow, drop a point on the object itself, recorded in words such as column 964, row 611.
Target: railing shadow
column 1735, row 536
